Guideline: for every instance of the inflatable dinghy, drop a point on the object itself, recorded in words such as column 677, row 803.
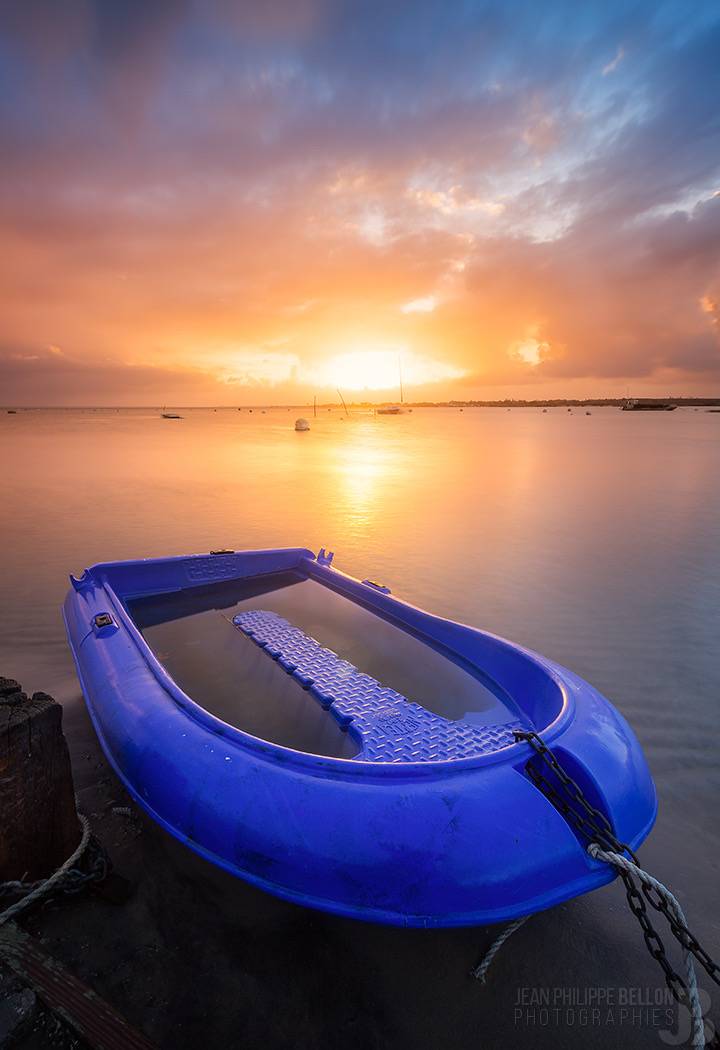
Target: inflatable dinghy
column 341, row 748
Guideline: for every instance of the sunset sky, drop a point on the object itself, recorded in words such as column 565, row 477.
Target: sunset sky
column 228, row 203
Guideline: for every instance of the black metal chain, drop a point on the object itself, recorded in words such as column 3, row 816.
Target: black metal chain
column 653, row 941
column 686, row 938
column 575, row 807
column 595, row 826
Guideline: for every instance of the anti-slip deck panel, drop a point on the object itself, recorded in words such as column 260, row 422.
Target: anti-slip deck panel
column 391, row 728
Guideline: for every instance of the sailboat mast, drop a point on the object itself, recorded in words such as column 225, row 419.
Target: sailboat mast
column 400, row 371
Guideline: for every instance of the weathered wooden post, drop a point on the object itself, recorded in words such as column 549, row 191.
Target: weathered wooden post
column 39, row 828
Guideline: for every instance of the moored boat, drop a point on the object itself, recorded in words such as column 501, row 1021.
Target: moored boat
column 633, row 404
column 332, row 744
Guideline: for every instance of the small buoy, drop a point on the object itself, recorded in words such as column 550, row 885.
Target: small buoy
column 302, row 424
column 588, row 413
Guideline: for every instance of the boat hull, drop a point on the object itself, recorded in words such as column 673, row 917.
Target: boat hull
column 414, row 843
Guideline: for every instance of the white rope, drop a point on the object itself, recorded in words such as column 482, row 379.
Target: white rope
column 623, row 864
column 48, row 884
column 483, row 966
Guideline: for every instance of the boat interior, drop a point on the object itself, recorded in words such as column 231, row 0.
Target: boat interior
column 205, row 638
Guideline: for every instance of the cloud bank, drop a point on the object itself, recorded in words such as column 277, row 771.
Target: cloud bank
column 208, row 203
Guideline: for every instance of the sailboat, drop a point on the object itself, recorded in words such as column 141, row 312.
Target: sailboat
column 394, row 410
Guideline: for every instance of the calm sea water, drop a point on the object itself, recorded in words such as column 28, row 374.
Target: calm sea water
column 593, row 539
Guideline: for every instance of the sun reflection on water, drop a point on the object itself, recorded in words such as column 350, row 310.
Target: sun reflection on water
column 365, row 474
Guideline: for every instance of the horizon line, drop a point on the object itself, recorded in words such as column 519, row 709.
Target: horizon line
column 698, row 399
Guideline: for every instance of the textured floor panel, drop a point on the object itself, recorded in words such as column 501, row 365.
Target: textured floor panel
column 390, row 727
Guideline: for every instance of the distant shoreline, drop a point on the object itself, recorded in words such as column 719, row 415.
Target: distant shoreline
column 562, row 402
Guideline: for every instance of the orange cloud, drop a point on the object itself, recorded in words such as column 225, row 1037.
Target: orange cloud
column 235, row 207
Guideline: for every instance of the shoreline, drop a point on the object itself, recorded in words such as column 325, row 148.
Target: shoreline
column 562, row 402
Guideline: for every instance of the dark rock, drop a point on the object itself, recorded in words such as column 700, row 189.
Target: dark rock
column 16, row 1012
column 13, row 699
column 9, row 688
column 40, row 828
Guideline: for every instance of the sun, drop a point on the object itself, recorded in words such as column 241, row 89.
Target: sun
column 363, row 370
column 382, row 369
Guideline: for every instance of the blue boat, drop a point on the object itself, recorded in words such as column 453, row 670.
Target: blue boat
column 315, row 735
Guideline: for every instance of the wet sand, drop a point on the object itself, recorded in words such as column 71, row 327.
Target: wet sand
column 196, row 957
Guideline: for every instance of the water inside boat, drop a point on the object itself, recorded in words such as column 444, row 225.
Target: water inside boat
column 211, row 660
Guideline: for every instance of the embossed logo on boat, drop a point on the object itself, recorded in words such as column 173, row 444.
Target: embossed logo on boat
column 200, row 570
column 393, row 721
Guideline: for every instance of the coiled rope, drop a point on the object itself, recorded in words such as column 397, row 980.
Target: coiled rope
column 44, row 887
